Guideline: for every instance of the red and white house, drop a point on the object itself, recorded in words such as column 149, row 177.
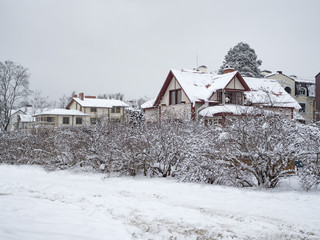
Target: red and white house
column 195, row 94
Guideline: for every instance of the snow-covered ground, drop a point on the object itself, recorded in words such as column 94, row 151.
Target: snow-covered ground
column 35, row 205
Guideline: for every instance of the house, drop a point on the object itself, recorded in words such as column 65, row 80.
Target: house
column 302, row 90
column 195, row 94
column 61, row 117
column 98, row 109
column 317, row 97
column 21, row 118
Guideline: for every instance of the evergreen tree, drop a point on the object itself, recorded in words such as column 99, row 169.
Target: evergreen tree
column 243, row 59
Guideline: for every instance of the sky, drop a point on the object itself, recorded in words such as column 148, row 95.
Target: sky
column 110, row 46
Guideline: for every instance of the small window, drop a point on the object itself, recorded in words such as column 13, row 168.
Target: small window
column 303, row 107
column 65, row 120
column 220, row 97
column 302, row 91
column 175, row 97
column 78, row 120
column 93, row 109
column 49, row 119
column 288, row 90
column 115, row 110
column 178, row 93
column 93, row 121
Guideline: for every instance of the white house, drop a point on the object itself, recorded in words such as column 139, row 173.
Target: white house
column 98, row 109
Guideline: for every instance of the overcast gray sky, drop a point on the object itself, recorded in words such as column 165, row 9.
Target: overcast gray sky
column 129, row 46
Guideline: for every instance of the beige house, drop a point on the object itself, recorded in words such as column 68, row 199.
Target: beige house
column 61, row 117
column 195, row 94
column 98, row 109
column 302, row 90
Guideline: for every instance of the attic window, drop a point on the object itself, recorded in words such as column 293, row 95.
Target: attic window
column 175, row 97
column 288, row 90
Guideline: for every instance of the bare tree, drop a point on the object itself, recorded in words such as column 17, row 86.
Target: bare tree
column 118, row 96
column 14, row 83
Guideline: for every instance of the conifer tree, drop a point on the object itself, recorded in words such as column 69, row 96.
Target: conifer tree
column 242, row 58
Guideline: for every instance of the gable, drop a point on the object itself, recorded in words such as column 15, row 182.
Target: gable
column 173, row 85
column 235, row 84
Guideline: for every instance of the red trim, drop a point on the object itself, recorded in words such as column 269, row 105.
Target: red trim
column 241, row 80
column 165, row 87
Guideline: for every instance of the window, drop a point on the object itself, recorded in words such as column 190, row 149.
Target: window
column 175, row 97
column 233, row 98
column 65, row 120
column 303, row 107
column 302, row 91
column 115, row 110
column 78, row 120
column 288, row 90
column 220, row 97
column 93, row 121
column 49, row 119
column 93, row 109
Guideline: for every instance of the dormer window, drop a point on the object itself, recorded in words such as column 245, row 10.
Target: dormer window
column 175, row 97
column 302, row 91
column 233, row 98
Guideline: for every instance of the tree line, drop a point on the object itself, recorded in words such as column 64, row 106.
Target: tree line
column 253, row 150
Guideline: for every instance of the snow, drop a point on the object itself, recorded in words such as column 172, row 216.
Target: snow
column 26, row 118
column 63, row 205
column 148, row 104
column 269, row 92
column 104, row 103
column 229, row 108
column 200, row 86
column 61, row 111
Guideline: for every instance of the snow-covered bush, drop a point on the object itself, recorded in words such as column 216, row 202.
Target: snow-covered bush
column 260, row 148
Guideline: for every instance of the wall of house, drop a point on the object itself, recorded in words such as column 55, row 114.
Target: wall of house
column 58, row 120
column 101, row 112
column 309, row 114
column 151, row 114
column 235, row 84
column 285, row 82
column 177, row 111
column 172, row 86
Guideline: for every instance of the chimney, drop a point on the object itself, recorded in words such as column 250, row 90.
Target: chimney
column 74, row 95
column 228, row 69
column 81, row 96
column 279, row 72
column 93, row 97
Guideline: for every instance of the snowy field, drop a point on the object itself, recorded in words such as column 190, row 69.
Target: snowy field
column 35, row 205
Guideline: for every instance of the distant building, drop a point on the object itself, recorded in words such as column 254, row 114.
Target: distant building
column 302, row 90
column 317, row 97
column 98, row 109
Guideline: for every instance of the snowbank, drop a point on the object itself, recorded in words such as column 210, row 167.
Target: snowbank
column 35, row 204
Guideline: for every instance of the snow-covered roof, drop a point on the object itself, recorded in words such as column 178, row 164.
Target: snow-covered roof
column 229, row 108
column 200, row 86
column 295, row 78
column 25, row 118
column 268, row 92
column 148, row 104
column 103, row 103
column 61, row 111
